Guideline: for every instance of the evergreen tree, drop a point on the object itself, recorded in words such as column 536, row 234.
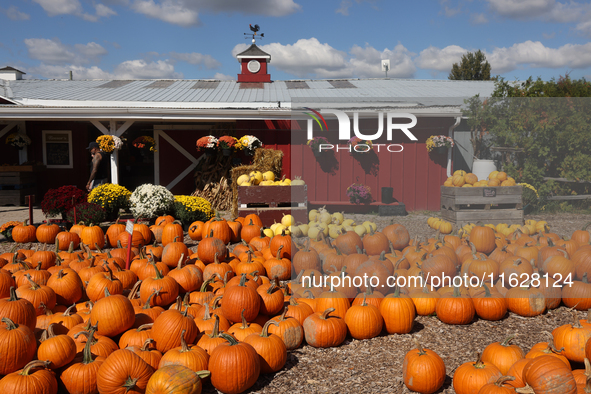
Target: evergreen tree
column 472, row 67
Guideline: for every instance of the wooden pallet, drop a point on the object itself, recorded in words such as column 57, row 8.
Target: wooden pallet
column 482, row 204
column 272, row 202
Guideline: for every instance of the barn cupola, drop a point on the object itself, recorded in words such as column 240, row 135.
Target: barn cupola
column 254, row 61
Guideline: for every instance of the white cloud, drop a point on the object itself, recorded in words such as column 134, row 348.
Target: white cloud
column 49, row 51
column 171, row 11
column 186, row 12
column 92, row 51
column 536, row 55
column 62, row 71
column 197, row 59
column 224, row 77
column 74, row 7
column 310, row 58
column 14, row 14
column 366, row 62
column 502, row 60
column 53, row 52
column 247, row 7
column 60, row 7
column 545, row 10
column 344, row 7
column 131, row 69
column 304, row 58
column 437, row 59
column 448, row 10
column 478, row 19
column 104, row 11
column 140, row 69
column 584, row 28
column 521, row 8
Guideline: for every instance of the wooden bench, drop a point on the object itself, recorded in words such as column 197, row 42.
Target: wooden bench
column 567, row 198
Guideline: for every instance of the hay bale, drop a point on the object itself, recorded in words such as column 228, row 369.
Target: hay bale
column 264, row 160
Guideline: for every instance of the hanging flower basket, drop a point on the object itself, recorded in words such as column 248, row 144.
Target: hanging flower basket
column 439, row 143
column 360, row 147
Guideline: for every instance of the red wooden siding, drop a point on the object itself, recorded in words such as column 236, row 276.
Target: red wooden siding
column 414, row 174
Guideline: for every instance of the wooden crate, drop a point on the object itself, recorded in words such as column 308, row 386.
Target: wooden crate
column 461, row 205
column 272, row 202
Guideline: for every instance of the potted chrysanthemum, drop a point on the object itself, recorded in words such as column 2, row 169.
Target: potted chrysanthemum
column 207, row 144
column 149, row 201
column 226, row 144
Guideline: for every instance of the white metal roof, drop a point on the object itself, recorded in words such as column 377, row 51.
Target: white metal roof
column 186, row 98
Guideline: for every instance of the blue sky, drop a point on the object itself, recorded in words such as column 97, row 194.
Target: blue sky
column 195, row 39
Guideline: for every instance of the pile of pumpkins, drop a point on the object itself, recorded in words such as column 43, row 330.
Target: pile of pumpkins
column 504, row 368
column 531, row 227
column 79, row 321
column 462, row 179
column 443, row 226
column 321, row 221
column 258, row 178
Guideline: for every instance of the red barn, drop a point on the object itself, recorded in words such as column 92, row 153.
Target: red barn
column 62, row 116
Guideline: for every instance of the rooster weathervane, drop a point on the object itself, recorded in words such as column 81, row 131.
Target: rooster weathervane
column 254, row 32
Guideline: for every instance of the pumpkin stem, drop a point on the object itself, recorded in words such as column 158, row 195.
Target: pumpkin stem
column 265, row 332
column 34, row 286
column 244, row 322
column 242, row 280
column 206, row 314
column 50, row 333
column 34, row 364
column 216, row 327
column 134, row 289
column 525, row 390
column 179, row 265
column 278, row 257
column 507, row 340
column 158, row 273
column 479, row 364
column 148, row 305
column 325, row 314
column 184, row 346
column 130, row 383
column 272, row 288
column 205, row 284
column 10, row 325
column 282, row 316
column 229, row 338
column 148, row 341
column 87, row 354
column 13, row 296
column 422, row 351
column 68, row 311
column 503, row 379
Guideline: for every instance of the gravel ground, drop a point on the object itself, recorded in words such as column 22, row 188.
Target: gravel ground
column 375, row 366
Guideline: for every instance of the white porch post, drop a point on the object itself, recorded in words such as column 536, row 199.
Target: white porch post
column 114, row 157
column 116, row 132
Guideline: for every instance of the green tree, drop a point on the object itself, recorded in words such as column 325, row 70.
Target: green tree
column 564, row 87
column 550, row 121
column 472, row 67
